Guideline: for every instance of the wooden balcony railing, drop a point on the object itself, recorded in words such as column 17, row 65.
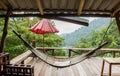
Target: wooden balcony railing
column 19, row 60
column 102, row 51
column 16, row 67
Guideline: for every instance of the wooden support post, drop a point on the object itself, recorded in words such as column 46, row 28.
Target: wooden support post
column 69, row 52
column 4, row 59
column 81, row 4
column 118, row 21
column 4, row 31
column 0, row 65
column 39, row 6
column 103, row 63
column 110, row 68
column 3, row 5
column 34, row 43
column 53, row 52
column 113, row 54
column 22, row 62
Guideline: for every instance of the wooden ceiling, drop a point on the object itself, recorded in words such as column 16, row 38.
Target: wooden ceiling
column 91, row 8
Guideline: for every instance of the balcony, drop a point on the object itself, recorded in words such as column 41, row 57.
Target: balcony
column 89, row 67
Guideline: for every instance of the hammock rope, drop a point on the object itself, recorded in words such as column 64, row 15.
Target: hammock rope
column 51, row 60
column 103, row 37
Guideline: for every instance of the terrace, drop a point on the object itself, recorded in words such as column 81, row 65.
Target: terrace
column 30, row 65
column 89, row 67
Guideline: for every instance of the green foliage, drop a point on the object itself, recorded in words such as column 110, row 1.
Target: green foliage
column 72, row 38
column 95, row 38
column 15, row 46
column 60, row 53
column 57, row 53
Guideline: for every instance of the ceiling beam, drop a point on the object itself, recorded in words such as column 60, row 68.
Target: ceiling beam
column 81, row 4
column 116, row 10
column 39, row 6
column 60, row 10
column 52, row 16
column 72, row 21
column 117, row 21
column 3, row 5
column 89, row 4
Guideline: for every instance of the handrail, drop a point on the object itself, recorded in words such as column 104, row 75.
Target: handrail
column 76, row 50
column 26, row 54
column 19, row 59
column 79, row 49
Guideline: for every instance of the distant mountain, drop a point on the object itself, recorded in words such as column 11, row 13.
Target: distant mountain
column 72, row 38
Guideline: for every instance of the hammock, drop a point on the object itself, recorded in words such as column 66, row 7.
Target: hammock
column 51, row 60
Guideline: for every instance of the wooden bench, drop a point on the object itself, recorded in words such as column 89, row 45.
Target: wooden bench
column 19, row 70
column 110, row 61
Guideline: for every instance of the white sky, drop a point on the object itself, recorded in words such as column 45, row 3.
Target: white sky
column 66, row 27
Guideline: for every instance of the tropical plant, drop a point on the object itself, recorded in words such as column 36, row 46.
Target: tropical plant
column 14, row 46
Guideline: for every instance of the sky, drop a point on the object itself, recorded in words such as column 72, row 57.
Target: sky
column 66, row 27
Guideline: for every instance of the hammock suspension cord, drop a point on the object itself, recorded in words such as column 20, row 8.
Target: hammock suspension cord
column 103, row 37
column 50, row 62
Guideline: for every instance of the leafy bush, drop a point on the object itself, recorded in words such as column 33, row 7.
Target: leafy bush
column 57, row 53
column 15, row 46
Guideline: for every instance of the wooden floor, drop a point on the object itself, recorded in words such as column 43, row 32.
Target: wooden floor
column 89, row 67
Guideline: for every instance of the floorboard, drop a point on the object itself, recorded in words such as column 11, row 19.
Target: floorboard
column 89, row 67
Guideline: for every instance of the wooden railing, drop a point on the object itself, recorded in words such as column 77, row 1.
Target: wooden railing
column 21, row 58
column 102, row 51
column 4, row 60
column 16, row 62
column 16, row 67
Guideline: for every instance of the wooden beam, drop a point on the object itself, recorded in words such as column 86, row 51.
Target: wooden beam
column 4, row 31
column 39, row 6
column 116, row 10
column 52, row 16
column 13, row 2
column 72, row 21
column 81, row 4
column 59, row 10
column 88, row 4
column 118, row 21
column 3, row 5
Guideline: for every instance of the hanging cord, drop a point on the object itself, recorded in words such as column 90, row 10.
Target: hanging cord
column 106, row 31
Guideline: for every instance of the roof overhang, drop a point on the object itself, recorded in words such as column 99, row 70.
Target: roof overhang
column 57, row 9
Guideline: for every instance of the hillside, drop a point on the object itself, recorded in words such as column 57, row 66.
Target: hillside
column 72, row 38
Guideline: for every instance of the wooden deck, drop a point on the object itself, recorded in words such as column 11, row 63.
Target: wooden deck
column 89, row 67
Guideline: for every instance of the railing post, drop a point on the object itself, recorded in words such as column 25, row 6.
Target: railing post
column 53, row 52
column 34, row 43
column 22, row 62
column 69, row 53
column 113, row 54
column 4, row 61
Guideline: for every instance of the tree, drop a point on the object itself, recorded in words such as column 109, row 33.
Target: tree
column 14, row 46
column 95, row 38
